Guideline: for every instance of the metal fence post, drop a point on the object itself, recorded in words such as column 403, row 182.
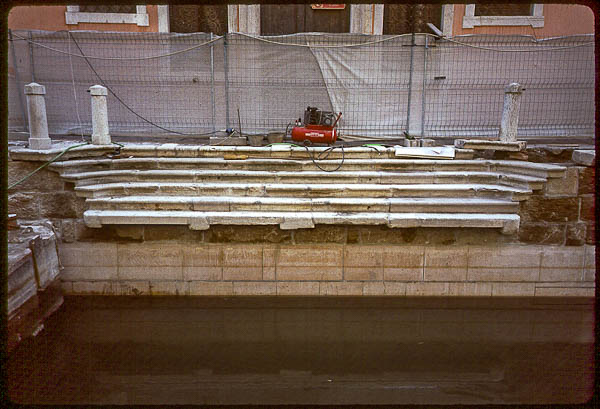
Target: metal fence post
column 510, row 112
column 31, row 57
column 423, row 89
column 38, row 122
column 18, row 81
column 410, row 76
column 226, row 73
column 212, row 82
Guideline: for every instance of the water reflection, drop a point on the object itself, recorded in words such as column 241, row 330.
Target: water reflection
column 116, row 350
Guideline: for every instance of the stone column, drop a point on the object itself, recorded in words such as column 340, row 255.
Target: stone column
column 243, row 18
column 38, row 123
column 366, row 18
column 100, row 135
column 510, row 112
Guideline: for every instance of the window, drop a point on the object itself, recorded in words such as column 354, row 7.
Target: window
column 107, row 14
column 108, row 9
column 504, row 15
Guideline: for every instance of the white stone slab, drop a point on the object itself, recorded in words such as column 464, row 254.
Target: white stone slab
column 585, row 157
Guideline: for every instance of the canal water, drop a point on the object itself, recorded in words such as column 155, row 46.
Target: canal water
column 174, row 350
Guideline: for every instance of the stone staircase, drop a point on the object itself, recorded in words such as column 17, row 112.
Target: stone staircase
column 203, row 186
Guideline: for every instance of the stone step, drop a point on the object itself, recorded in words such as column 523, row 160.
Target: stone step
column 509, row 223
column 397, row 165
column 252, row 176
column 241, row 203
column 277, row 151
column 303, row 190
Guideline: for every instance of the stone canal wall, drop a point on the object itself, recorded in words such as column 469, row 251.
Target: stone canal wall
column 563, row 212
column 553, row 253
column 165, row 267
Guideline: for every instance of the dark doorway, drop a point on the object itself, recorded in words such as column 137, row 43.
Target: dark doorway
column 277, row 19
column 410, row 18
column 198, row 19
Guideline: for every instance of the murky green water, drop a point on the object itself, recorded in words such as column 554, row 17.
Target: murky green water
column 114, row 350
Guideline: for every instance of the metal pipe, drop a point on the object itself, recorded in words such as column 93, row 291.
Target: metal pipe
column 226, row 73
column 410, row 76
column 212, row 82
column 423, row 89
column 31, row 57
column 19, row 87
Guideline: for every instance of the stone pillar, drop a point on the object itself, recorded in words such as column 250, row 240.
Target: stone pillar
column 100, row 135
column 243, row 18
column 38, row 123
column 366, row 19
column 510, row 112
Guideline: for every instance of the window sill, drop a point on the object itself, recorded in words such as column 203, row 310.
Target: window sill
column 74, row 16
column 474, row 21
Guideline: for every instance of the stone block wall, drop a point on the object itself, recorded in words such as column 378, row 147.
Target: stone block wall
column 563, row 213
column 42, row 196
column 196, row 268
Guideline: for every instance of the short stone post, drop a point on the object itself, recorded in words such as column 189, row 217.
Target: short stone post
column 38, row 123
column 510, row 112
column 100, row 135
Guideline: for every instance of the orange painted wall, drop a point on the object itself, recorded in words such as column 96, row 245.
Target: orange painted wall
column 559, row 20
column 52, row 18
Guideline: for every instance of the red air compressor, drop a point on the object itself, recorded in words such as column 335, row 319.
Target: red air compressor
column 318, row 127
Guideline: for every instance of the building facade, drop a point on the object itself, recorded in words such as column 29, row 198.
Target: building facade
column 538, row 20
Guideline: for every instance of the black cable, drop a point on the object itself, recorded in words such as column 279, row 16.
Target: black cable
column 124, row 104
column 307, row 143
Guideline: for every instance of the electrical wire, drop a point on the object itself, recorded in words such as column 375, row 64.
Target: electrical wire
column 322, row 46
column 296, row 45
column 517, row 51
column 119, row 58
column 124, row 104
column 409, row 34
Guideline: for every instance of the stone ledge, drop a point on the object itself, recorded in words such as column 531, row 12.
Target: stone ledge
column 481, row 144
column 43, row 155
column 337, row 204
column 293, row 220
column 322, row 288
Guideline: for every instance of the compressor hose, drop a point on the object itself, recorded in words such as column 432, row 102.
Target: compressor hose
column 57, row 157
column 326, row 154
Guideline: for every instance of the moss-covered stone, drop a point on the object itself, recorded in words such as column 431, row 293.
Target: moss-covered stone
column 576, row 234
column 587, row 180
column 247, row 234
column 61, row 205
column 587, row 208
column 321, row 234
column 24, row 205
column 158, row 232
column 540, row 208
column 542, row 233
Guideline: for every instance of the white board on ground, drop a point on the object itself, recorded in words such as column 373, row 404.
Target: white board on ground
column 435, row 152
